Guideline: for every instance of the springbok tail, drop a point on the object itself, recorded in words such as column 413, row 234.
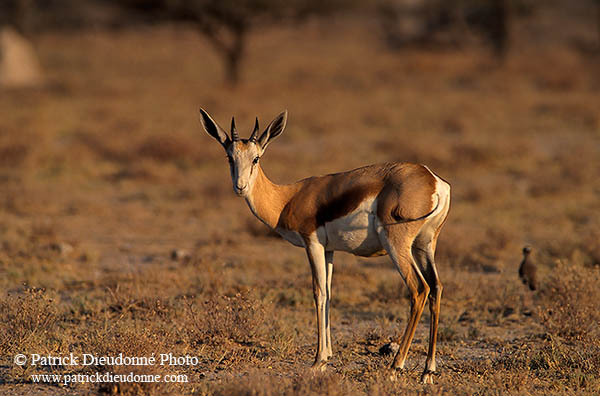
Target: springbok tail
column 402, row 221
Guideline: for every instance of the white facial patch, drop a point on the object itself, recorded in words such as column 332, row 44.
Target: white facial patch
column 243, row 157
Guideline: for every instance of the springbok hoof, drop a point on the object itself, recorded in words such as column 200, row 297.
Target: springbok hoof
column 427, row 377
column 319, row 367
column 392, row 372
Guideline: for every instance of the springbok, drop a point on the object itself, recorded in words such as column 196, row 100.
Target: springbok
column 393, row 208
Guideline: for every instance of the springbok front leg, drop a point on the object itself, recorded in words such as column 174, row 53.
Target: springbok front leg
column 316, row 257
column 329, row 261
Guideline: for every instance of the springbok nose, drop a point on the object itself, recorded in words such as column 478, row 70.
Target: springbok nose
column 240, row 186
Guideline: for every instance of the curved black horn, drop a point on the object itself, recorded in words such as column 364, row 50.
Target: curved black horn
column 234, row 134
column 254, row 132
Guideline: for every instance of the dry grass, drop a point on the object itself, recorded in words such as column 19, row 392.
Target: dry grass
column 571, row 310
column 30, row 322
column 106, row 172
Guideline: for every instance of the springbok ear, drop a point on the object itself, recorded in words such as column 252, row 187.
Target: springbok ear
column 213, row 129
column 274, row 129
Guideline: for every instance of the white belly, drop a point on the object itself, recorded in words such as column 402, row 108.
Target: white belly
column 356, row 232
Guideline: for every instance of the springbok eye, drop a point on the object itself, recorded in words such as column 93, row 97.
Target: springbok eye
column 230, row 160
column 255, row 161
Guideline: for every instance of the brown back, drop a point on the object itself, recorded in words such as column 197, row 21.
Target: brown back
column 403, row 190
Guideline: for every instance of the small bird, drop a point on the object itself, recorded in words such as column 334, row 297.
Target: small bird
column 527, row 270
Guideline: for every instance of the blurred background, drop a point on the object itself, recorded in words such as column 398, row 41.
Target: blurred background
column 108, row 183
column 229, row 26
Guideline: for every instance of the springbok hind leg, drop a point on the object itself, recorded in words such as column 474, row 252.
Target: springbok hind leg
column 399, row 250
column 424, row 255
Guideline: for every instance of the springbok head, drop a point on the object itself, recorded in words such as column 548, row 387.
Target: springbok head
column 243, row 154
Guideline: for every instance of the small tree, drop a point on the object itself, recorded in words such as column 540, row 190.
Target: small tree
column 410, row 22
column 227, row 23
